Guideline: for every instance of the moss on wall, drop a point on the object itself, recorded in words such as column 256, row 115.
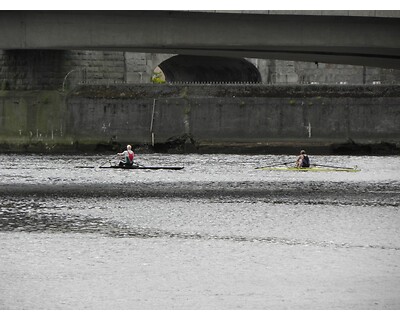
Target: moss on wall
column 32, row 116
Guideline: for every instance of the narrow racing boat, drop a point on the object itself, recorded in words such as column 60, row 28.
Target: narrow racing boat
column 142, row 167
column 313, row 169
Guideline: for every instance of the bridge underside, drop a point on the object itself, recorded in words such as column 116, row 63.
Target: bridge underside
column 368, row 41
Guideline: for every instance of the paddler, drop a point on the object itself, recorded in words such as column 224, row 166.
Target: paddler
column 128, row 155
column 303, row 160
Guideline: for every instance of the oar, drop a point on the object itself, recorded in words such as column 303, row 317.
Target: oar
column 134, row 164
column 273, row 165
column 327, row 166
column 108, row 161
column 138, row 164
column 84, row 167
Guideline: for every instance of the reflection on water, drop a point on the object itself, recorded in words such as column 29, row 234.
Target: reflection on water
column 37, row 216
column 65, row 216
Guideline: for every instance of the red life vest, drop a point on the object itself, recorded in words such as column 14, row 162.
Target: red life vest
column 131, row 154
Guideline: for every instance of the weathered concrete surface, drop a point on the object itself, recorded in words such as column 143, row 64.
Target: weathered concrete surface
column 31, row 120
column 205, row 118
column 220, row 114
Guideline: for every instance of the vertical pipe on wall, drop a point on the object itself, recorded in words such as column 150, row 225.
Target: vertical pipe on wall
column 152, row 123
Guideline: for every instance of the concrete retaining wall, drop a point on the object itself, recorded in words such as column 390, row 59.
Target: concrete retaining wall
column 254, row 116
column 32, row 120
column 230, row 114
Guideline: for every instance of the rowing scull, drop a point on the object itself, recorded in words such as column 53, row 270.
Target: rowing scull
column 314, row 169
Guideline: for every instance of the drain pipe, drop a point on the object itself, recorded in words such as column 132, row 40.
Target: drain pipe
column 152, row 123
column 309, row 129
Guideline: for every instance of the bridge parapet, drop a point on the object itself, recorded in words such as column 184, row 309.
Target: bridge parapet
column 344, row 13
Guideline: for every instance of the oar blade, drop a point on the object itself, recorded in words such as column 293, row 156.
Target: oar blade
column 274, row 165
column 336, row 167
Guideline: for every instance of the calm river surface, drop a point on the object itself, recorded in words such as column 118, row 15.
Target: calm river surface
column 216, row 235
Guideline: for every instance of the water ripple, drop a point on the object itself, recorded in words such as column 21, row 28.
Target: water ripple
column 21, row 219
column 355, row 194
column 157, row 233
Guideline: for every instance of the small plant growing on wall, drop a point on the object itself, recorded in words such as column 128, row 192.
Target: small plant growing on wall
column 46, row 100
column 186, row 111
column 158, row 76
column 184, row 93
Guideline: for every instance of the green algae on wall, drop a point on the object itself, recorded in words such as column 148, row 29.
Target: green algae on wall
column 30, row 117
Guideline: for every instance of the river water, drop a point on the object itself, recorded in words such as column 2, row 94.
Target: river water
column 218, row 234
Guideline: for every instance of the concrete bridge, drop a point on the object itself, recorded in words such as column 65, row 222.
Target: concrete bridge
column 357, row 40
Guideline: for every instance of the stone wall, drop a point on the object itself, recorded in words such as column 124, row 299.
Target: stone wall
column 279, row 71
column 58, row 69
column 324, row 73
column 297, row 72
